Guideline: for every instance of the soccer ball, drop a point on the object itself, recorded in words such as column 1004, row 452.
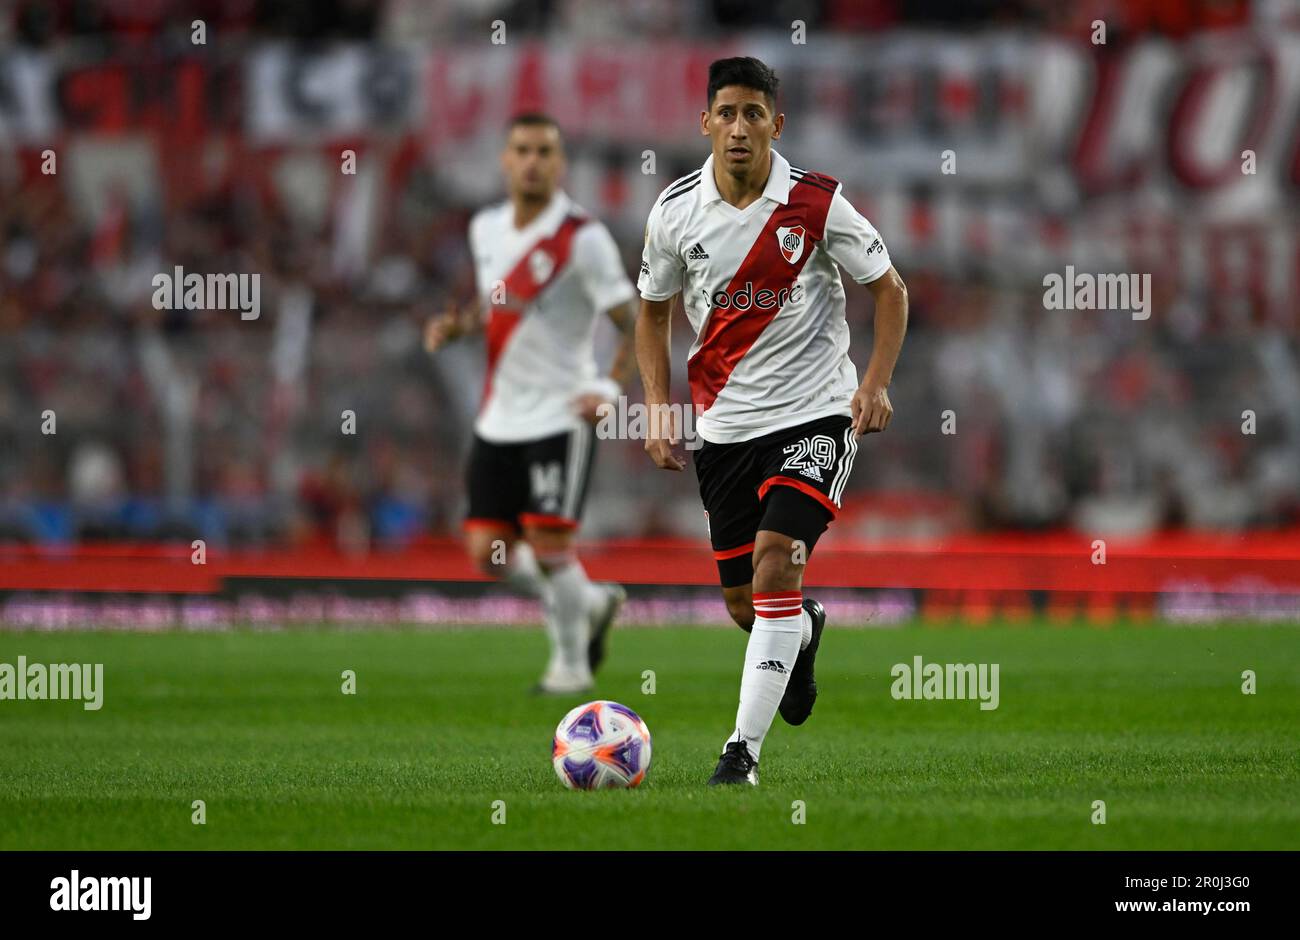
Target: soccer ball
column 600, row 746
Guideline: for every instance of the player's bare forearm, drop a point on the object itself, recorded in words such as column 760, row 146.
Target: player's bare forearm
column 654, row 358
column 452, row 324
column 624, row 364
column 872, row 410
column 653, row 350
column 891, row 325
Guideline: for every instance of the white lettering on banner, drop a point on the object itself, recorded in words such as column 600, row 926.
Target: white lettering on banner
column 292, row 94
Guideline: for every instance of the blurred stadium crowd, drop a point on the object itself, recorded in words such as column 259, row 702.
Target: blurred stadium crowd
column 118, row 420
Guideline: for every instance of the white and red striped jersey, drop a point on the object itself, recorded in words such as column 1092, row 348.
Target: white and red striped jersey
column 544, row 286
column 762, row 291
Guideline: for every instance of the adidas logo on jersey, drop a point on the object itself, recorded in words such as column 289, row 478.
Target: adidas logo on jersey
column 697, row 253
column 812, row 473
column 773, row 665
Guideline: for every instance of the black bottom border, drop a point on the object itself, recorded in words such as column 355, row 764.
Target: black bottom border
column 637, row 888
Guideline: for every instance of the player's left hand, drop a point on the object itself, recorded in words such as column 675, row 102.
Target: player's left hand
column 871, row 409
column 588, row 406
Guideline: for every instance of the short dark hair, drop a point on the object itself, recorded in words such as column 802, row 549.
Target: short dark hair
column 745, row 71
column 532, row 119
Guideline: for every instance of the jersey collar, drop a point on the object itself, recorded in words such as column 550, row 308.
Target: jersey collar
column 777, row 188
column 547, row 219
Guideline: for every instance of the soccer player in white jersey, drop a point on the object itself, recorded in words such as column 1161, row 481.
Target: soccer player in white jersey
column 752, row 245
column 545, row 272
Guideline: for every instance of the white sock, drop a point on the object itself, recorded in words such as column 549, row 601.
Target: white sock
column 769, row 657
column 523, row 575
column 594, row 595
column 570, row 589
column 806, row 636
column 597, row 594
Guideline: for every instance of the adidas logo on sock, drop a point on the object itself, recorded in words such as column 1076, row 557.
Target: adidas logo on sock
column 697, row 253
column 773, row 665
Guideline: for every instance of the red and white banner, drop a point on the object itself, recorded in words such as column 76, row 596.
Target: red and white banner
column 1008, row 152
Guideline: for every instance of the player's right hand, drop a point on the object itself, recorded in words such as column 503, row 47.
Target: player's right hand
column 439, row 329
column 661, row 452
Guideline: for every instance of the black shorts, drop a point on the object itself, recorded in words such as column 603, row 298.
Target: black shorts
column 789, row 481
column 530, row 483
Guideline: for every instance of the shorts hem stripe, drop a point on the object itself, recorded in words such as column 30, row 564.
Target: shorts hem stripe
column 484, row 522
column 736, row 552
column 802, row 487
column 543, row 521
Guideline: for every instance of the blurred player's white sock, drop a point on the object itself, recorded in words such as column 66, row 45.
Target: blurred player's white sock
column 769, row 657
column 806, row 636
column 597, row 594
column 524, row 575
column 570, row 591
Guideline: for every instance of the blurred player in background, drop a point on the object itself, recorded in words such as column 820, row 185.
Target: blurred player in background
column 752, row 243
column 545, row 271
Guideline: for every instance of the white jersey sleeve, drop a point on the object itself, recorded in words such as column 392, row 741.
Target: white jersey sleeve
column 662, row 267
column 600, row 267
column 854, row 242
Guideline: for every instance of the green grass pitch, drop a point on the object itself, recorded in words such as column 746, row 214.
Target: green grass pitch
column 1151, row 720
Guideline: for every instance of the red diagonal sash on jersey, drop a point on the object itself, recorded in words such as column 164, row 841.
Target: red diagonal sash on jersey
column 731, row 332
column 523, row 285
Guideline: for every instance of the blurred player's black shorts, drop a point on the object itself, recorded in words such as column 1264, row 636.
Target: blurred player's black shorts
column 530, row 483
column 789, row 481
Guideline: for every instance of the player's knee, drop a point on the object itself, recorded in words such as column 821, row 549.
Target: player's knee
column 489, row 554
column 484, row 562
column 741, row 610
column 775, row 569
